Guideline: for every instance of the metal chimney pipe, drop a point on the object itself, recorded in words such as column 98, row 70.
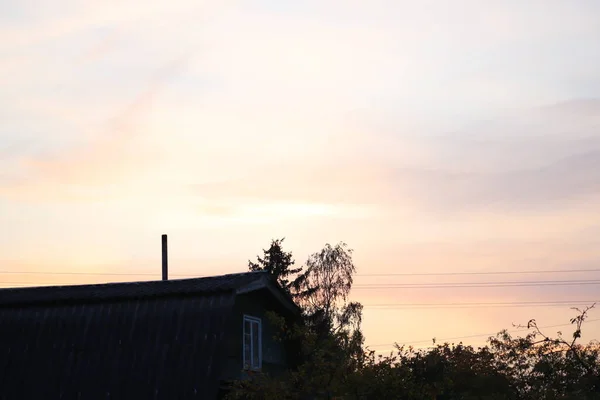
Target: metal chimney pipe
column 165, row 259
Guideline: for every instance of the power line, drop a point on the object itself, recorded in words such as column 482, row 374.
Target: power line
column 399, row 286
column 372, row 275
column 473, row 285
column 479, row 303
column 435, row 306
column 402, row 306
column 446, row 285
column 556, row 271
column 478, row 283
column 478, row 307
column 475, row 336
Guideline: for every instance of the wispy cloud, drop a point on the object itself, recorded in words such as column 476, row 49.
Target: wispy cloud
column 418, row 132
column 543, row 159
column 102, row 47
column 111, row 156
column 572, row 179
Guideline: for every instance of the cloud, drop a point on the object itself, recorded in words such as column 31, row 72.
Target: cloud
column 543, row 159
column 378, row 123
column 555, row 184
column 306, row 183
column 537, row 160
column 43, row 22
column 329, row 181
column 101, row 48
column 112, row 156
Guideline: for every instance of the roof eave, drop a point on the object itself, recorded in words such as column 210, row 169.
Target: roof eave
column 267, row 283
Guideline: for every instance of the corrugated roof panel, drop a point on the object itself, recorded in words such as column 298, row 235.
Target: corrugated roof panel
column 159, row 348
column 100, row 292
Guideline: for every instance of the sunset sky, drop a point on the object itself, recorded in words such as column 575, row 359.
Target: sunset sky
column 431, row 136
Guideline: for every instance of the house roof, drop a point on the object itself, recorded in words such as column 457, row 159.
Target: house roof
column 157, row 339
column 124, row 290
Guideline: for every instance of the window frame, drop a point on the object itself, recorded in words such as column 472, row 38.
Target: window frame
column 248, row 365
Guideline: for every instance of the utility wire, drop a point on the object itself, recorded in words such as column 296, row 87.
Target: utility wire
column 434, row 306
column 377, row 286
column 556, row 271
column 478, row 283
column 493, row 303
column 474, row 285
column 373, row 275
column 384, row 286
column 570, row 305
column 405, row 306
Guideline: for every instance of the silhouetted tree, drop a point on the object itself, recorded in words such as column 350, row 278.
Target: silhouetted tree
column 326, row 283
column 330, row 335
column 278, row 263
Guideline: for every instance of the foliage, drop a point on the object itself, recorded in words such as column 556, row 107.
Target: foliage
column 551, row 368
column 334, row 364
column 278, row 263
column 326, row 284
column 329, row 333
column 521, row 368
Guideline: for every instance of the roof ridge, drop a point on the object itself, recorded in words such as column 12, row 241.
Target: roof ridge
column 104, row 291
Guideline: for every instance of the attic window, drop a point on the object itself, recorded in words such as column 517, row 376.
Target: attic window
column 252, row 343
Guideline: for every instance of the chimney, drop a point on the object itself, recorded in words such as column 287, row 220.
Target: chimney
column 165, row 259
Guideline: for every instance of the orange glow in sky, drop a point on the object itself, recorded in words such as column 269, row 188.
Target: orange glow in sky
column 430, row 136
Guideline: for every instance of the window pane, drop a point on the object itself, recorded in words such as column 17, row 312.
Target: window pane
column 247, row 349
column 247, row 343
column 255, row 345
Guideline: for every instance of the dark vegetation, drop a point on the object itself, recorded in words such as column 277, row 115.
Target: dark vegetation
column 334, row 364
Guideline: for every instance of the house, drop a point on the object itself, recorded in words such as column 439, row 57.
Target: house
column 175, row 339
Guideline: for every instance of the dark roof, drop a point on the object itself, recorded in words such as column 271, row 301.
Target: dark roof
column 122, row 290
column 146, row 340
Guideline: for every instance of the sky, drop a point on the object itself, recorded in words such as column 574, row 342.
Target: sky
column 431, row 137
